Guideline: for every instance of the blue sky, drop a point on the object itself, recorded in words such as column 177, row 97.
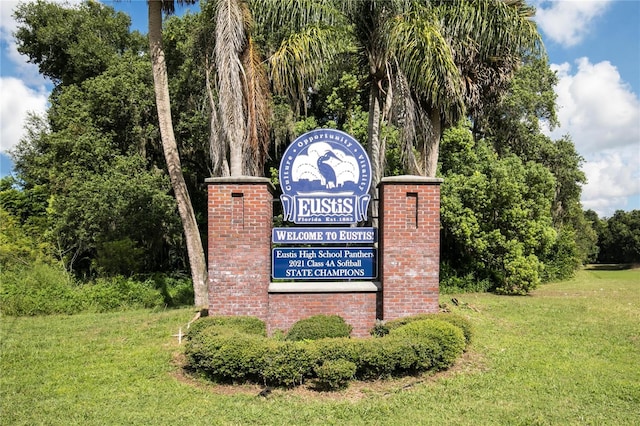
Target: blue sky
column 593, row 45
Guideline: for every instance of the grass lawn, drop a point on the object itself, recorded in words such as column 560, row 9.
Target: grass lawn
column 567, row 354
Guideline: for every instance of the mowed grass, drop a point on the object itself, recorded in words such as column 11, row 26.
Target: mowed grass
column 567, row 354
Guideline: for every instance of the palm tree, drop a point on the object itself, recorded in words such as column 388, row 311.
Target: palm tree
column 170, row 148
column 237, row 87
column 238, row 81
column 427, row 61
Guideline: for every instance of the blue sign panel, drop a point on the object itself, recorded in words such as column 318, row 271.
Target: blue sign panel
column 324, row 263
column 323, row 235
column 325, row 176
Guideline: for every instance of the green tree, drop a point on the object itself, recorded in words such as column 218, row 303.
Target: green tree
column 70, row 45
column 620, row 238
column 100, row 135
column 124, row 207
column 513, row 124
column 426, row 61
column 496, row 215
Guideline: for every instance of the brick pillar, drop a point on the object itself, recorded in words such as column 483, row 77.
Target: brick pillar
column 240, row 212
column 409, row 254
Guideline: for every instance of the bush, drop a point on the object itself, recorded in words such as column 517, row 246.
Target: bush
column 228, row 356
column 43, row 289
column 334, row 374
column 331, row 349
column 222, row 324
column 176, row 291
column 383, row 328
column 119, row 293
column 382, row 358
column 39, row 289
column 319, row 327
column 223, row 349
column 286, row 363
column 437, row 343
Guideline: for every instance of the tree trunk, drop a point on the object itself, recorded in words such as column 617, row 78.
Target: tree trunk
column 433, row 144
column 172, row 158
column 373, row 149
column 373, row 130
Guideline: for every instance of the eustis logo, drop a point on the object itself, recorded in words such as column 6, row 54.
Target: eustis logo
column 325, row 176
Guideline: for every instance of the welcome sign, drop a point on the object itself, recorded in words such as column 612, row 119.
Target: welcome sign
column 325, row 176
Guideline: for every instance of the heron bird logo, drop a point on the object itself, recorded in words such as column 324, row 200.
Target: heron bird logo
column 327, row 170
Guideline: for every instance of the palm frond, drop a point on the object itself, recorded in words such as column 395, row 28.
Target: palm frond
column 257, row 97
column 426, row 60
column 302, row 57
column 296, row 14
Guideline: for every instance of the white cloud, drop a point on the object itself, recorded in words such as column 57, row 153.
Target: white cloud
column 18, row 65
column 602, row 115
column 613, row 178
column 16, row 102
column 596, row 107
column 567, row 22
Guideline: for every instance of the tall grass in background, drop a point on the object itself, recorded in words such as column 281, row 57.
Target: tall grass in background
column 46, row 289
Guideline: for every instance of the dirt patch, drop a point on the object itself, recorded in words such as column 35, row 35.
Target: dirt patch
column 469, row 363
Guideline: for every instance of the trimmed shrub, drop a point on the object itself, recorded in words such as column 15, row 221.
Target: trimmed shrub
column 286, row 363
column 383, row 328
column 223, row 324
column 227, row 356
column 383, row 358
column 319, row 327
column 331, row 349
column 437, row 344
column 334, row 374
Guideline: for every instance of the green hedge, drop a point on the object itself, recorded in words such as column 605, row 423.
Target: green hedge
column 383, row 328
column 436, row 343
column 334, row 374
column 221, row 324
column 227, row 357
column 234, row 349
column 319, row 327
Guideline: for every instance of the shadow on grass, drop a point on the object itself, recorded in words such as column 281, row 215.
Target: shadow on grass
column 610, row 266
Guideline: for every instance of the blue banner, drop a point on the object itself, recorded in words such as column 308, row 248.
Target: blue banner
column 324, row 263
column 362, row 235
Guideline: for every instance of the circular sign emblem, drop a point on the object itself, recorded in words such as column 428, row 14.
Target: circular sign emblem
column 325, row 176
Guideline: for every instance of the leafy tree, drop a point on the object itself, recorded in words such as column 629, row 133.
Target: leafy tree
column 70, row 45
column 96, row 148
column 430, row 59
column 496, row 214
column 620, row 238
column 17, row 247
column 121, row 207
column 513, row 124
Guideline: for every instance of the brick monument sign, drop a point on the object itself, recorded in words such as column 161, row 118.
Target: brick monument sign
column 326, row 262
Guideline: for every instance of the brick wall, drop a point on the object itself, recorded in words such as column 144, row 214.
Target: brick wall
column 409, row 245
column 239, row 228
column 240, row 213
column 357, row 309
